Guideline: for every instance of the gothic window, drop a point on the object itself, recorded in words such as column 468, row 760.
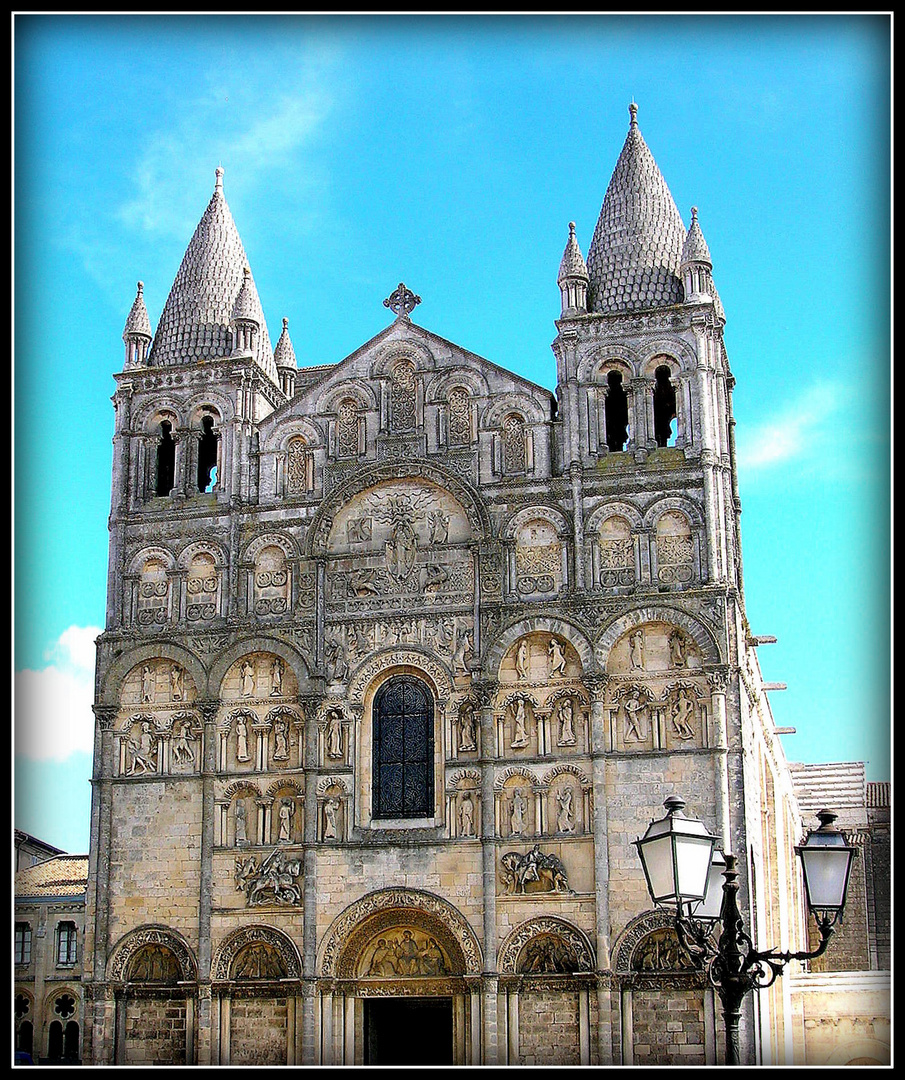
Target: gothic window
column 271, row 582
column 616, row 412
column 403, row 767
column 23, row 943
column 207, row 455
column 403, row 409
column 514, row 445
column 348, row 427
column 617, row 555
column 664, row 407
column 153, row 594
column 459, row 417
column 166, row 460
column 675, row 549
column 67, row 938
column 202, row 585
column 299, row 467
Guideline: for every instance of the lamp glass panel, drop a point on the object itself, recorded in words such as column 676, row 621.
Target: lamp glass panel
column 713, row 898
column 658, row 862
column 693, row 859
column 826, row 874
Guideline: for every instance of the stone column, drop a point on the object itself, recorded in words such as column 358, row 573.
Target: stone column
column 575, row 476
column 485, row 693
column 210, row 747
column 309, row 897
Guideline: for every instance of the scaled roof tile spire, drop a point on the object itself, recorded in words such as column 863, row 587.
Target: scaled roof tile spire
column 195, row 321
column 634, row 257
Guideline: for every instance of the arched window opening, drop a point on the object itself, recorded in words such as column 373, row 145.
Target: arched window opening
column 348, row 438
column 67, row 938
column 71, row 1041
column 664, row 407
column 514, row 455
column 299, row 467
column 403, row 767
column 23, row 943
column 25, row 1037
column 403, row 403
column 166, row 460
column 55, row 1041
column 616, row 412
column 207, row 455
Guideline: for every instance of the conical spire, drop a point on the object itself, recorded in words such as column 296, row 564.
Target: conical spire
column 137, row 331
column 247, row 306
column 194, row 325
column 695, row 247
column 284, row 354
column 697, row 268
column 634, row 257
column 573, row 277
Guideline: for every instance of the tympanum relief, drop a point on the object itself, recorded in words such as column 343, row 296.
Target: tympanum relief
column 403, row 952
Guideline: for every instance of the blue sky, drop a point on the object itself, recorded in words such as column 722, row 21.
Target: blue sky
column 451, row 153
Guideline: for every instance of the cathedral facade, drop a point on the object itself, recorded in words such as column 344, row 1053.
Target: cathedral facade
column 403, row 653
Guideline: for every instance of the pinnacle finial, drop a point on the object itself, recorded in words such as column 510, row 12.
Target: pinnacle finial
column 633, row 112
column 402, row 301
column 571, row 228
column 218, row 186
column 694, row 214
column 141, row 287
column 285, row 324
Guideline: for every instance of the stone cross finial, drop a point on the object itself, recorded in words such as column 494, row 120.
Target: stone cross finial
column 402, row 301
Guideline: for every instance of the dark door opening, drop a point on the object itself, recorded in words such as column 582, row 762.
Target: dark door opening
column 408, row 1031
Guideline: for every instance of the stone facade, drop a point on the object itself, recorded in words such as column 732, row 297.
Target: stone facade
column 402, row 654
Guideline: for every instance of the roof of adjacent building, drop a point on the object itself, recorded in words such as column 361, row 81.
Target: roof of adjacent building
column 63, row 875
column 194, row 324
column 636, row 251
column 838, row 785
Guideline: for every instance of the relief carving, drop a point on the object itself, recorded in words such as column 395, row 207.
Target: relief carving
column 533, row 872
column 272, row 882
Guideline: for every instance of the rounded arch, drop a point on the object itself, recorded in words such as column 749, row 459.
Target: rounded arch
column 285, row 543
column 672, row 353
column 578, row 944
column 633, row 934
column 388, row 354
column 673, row 503
column 294, row 427
column 371, row 475
column 149, row 417
column 251, row 646
column 353, row 928
column 442, row 384
column 539, row 512
column 380, row 667
column 362, row 394
column 111, row 683
column 215, row 405
column 546, row 625
column 131, row 943
column 514, row 773
column 860, row 1052
column 202, row 547
column 223, row 967
column 142, row 557
column 519, row 404
column 607, row 356
column 607, row 510
column 700, row 634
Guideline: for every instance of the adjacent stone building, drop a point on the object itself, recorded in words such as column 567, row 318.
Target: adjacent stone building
column 403, row 653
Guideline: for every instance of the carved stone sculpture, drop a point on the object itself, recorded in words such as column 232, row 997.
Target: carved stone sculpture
column 547, row 871
column 270, row 882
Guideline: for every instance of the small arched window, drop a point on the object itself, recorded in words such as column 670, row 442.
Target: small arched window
column 514, row 449
column 348, row 429
column 403, row 398
column 403, row 766
column 459, row 417
column 207, row 455
column 616, row 412
column 664, row 407
column 299, row 467
column 166, row 460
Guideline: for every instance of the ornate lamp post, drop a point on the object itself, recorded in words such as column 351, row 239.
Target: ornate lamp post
column 683, row 869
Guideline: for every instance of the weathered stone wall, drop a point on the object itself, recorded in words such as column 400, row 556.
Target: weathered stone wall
column 258, row 1031
column 156, row 1031
column 549, row 1028
column 668, row 1027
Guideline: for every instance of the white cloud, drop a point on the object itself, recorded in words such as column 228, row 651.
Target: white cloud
column 53, row 717
column 804, row 426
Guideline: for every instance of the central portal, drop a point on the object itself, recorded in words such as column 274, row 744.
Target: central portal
column 408, row 1031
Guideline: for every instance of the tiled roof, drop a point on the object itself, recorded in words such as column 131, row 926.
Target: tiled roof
column 634, row 257
column 838, row 785
column 284, row 354
column 195, row 321
column 138, row 321
column 65, row 875
column 573, row 264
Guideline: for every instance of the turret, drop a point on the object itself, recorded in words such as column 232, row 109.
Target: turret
column 573, row 278
column 244, row 324
column 137, row 332
column 284, row 358
column 696, row 264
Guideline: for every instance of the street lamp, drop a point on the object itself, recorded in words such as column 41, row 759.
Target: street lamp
column 683, row 868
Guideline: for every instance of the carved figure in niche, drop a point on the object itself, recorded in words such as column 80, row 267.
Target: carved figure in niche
column 399, row 512
column 557, row 659
column 463, row 648
column 331, row 806
column 677, row 649
column 176, row 683
column 287, row 809
column 143, row 752
column 661, row 951
column 467, row 737
column 547, row 871
column 547, row 954
column 337, row 667
column 335, row 734
column 407, row 954
column 183, row 754
column 519, row 726
column 566, row 723
column 635, row 728
column 519, row 812
column 438, row 523
column 248, row 679
column 147, row 683
column 276, row 677
column 258, row 961
column 241, row 823
column 466, row 816
column 432, row 577
column 522, row 660
column 564, row 819
column 280, row 739
column 433, row 961
column 241, row 739
column 636, row 649
column 682, row 715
